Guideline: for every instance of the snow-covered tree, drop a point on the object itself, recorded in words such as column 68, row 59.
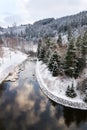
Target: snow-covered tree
column 69, row 33
column 79, row 42
column 84, row 49
column 39, row 47
column 81, row 53
column 84, row 46
column 55, row 70
column 54, row 63
column 48, row 55
column 59, row 41
column 70, row 63
column 80, row 66
column 41, row 51
column 70, row 92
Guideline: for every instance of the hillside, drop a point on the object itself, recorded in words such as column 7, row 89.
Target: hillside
column 50, row 27
column 62, row 68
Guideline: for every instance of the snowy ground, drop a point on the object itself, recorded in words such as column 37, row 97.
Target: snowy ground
column 9, row 62
column 55, row 87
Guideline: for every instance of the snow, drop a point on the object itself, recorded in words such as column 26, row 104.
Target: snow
column 55, row 87
column 16, row 29
column 34, row 48
column 9, row 61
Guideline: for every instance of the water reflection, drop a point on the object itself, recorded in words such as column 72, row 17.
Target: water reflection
column 23, row 106
column 77, row 116
column 2, row 89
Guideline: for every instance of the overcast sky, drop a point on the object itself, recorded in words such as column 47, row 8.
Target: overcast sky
column 29, row 11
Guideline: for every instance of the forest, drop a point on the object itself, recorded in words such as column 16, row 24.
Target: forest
column 65, row 60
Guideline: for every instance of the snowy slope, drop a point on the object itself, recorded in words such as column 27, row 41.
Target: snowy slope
column 9, row 61
column 55, row 87
column 16, row 29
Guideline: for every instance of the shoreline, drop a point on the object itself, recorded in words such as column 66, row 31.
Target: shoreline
column 57, row 99
column 10, row 68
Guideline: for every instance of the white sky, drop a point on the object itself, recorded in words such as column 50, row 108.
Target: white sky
column 29, row 11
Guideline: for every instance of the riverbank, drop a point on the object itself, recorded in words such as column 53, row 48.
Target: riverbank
column 9, row 61
column 55, row 87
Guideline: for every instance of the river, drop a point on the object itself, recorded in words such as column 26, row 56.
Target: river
column 23, row 106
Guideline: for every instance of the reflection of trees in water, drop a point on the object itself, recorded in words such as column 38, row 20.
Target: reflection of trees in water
column 74, row 115
column 58, row 107
column 70, row 115
column 2, row 125
column 53, row 103
column 2, row 88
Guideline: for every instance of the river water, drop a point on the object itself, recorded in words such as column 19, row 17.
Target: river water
column 23, row 106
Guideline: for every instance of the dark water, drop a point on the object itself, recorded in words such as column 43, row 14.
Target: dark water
column 23, row 106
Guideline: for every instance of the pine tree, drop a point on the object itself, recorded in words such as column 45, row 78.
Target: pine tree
column 80, row 66
column 70, row 92
column 59, row 41
column 38, row 49
column 84, row 49
column 48, row 55
column 79, row 42
column 42, row 53
column 54, row 63
column 69, row 33
column 55, row 70
column 84, row 44
column 81, row 54
column 70, row 63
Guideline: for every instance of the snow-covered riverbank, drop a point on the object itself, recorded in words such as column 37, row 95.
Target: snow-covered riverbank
column 9, row 61
column 55, row 87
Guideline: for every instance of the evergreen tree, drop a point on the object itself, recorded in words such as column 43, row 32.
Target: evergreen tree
column 38, row 49
column 80, row 66
column 81, row 55
column 70, row 92
column 54, row 63
column 70, row 63
column 55, row 70
column 84, row 45
column 42, row 53
column 84, row 48
column 47, row 40
column 59, row 41
column 69, row 33
column 48, row 55
column 79, row 46
column 79, row 42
